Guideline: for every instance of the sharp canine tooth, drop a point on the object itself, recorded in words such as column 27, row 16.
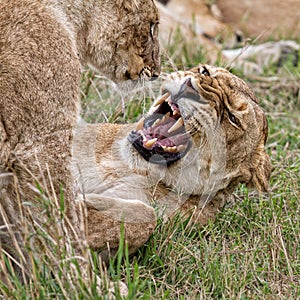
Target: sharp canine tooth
column 150, row 143
column 167, row 115
column 140, row 124
column 177, row 125
column 159, row 101
column 156, row 122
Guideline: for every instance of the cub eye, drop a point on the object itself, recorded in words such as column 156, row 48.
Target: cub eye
column 203, row 70
column 233, row 119
column 153, row 27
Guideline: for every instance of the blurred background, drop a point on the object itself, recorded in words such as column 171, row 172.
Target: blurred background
column 219, row 25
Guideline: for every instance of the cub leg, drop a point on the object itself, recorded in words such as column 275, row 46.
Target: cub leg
column 20, row 200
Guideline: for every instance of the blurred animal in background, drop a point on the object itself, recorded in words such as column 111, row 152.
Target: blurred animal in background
column 245, row 26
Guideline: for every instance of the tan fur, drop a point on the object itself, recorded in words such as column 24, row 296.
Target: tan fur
column 232, row 22
column 262, row 18
column 195, row 22
column 197, row 15
column 43, row 46
column 256, row 18
column 119, row 183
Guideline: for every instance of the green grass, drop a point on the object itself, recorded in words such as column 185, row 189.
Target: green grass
column 250, row 252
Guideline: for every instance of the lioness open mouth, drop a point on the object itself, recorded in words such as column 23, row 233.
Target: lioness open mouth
column 161, row 137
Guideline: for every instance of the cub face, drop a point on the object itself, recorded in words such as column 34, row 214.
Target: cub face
column 207, row 122
column 122, row 39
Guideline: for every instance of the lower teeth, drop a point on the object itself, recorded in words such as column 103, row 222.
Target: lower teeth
column 174, row 149
column 150, row 143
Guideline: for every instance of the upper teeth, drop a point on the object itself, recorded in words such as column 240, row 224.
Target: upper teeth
column 140, row 124
column 166, row 116
column 175, row 111
column 173, row 107
column 179, row 123
column 159, row 101
column 158, row 121
column 162, row 120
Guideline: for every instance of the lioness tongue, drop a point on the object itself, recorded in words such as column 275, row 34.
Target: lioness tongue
column 179, row 139
column 161, row 130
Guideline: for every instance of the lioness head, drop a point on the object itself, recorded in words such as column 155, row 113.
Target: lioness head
column 122, row 39
column 208, row 132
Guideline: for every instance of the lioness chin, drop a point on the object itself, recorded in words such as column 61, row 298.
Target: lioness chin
column 200, row 139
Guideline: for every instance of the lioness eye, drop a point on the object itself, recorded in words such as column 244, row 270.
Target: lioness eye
column 203, row 70
column 233, row 119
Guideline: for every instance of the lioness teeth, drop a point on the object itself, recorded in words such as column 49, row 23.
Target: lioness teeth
column 166, row 116
column 157, row 122
column 161, row 100
column 140, row 124
column 174, row 109
column 162, row 120
column 150, row 143
column 173, row 149
column 181, row 148
column 179, row 123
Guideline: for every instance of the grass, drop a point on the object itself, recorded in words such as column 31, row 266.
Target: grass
column 250, row 252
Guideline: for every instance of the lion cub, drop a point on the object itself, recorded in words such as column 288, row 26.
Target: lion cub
column 43, row 46
column 200, row 139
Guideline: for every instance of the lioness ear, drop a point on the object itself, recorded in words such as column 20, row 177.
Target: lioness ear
column 261, row 173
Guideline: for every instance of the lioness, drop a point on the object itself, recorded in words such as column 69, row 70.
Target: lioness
column 43, row 46
column 200, row 139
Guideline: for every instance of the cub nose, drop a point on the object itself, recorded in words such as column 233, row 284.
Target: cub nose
column 156, row 70
column 154, row 76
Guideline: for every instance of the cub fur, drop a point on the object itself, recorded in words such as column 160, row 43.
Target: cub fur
column 200, row 139
column 43, row 46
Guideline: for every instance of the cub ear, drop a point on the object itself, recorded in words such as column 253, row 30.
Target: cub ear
column 261, row 172
column 127, row 4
